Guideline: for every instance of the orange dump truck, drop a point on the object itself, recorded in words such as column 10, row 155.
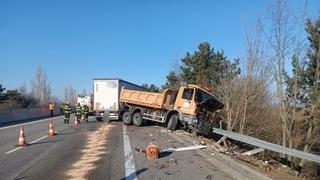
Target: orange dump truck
column 190, row 106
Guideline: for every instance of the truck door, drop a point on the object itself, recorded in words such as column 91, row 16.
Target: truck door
column 185, row 101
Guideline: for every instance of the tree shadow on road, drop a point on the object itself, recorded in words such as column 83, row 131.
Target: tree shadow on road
column 134, row 174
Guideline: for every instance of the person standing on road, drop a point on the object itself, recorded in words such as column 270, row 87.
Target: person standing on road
column 78, row 112
column 85, row 112
column 66, row 111
column 51, row 108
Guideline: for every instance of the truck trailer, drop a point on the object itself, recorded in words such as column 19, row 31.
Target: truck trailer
column 190, row 106
column 106, row 94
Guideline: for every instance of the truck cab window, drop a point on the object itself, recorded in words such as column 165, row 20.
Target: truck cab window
column 202, row 96
column 187, row 94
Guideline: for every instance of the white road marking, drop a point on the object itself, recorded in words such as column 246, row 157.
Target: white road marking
column 36, row 121
column 16, row 149
column 13, row 150
column 128, row 156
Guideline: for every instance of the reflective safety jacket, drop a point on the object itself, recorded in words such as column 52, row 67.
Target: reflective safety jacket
column 67, row 109
column 78, row 110
column 85, row 109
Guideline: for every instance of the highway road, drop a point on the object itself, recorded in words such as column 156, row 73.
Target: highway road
column 106, row 151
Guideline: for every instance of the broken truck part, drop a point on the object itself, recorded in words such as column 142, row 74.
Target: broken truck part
column 190, row 106
column 153, row 152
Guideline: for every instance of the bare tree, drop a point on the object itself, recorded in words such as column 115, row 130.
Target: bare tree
column 84, row 92
column 70, row 95
column 298, row 61
column 40, row 86
column 23, row 89
column 279, row 42
column 229, row 91
column 285, row 44
column 256, row 77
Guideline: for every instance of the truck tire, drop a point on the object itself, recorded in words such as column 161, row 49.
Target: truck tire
column 173, row 122
column 137, row 119
column 126, row 118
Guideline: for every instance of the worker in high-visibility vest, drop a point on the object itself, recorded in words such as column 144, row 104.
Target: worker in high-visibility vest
column 85, row 112
column 67, row 112
column 78, row 112
column 51, row 108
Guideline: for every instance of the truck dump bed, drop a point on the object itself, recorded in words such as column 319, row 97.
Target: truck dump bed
column 142, row 98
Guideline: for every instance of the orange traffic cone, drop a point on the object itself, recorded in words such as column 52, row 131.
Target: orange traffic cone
column 22, row 140
column 52, row 132
column 75, row 121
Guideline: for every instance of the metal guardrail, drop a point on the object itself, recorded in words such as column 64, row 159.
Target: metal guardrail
column 267, row 145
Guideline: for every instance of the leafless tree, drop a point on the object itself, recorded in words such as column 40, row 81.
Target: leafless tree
column 40, row 86
column 70, row 95
column 229, row 91
column 279, row 39
column 84, row 92
column 285, row 43
column 256, row 76
column 23, row 89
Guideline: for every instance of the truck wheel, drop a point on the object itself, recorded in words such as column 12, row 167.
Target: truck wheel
column 173, row 121
column 126, row 118
column 137, row 119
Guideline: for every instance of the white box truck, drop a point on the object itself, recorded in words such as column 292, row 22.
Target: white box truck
column 106, row 95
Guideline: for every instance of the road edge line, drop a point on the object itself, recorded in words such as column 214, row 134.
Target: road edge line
column 130, row 169
column 32, row 122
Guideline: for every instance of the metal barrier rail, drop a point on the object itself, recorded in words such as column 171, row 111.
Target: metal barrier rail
column 267, row 145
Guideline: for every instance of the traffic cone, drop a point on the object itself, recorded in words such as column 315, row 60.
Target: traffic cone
column 22, row 140
column 75, row 121
column 52, row 132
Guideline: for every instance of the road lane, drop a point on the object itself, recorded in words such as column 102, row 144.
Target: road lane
column 36, row 129
column 111, row 166
column 67, row 140
column 102, row 150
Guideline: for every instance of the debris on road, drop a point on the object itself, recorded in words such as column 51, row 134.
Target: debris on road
column 202, row 142
column 185, row 148
column 174, row 160
column 164, row 165
column 94, row 150
column 190, row 162
column 209, row 176
column 153, row 152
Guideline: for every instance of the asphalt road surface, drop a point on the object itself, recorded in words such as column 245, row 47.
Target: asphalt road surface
column 107, row 151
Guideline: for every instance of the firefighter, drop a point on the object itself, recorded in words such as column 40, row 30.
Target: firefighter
column 62, row 108
column 66, row 111
column 85, row 112
column 78, row 112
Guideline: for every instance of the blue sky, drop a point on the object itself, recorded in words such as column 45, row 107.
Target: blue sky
column 138, row 41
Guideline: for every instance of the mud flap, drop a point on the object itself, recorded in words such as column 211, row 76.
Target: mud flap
column 204, row 128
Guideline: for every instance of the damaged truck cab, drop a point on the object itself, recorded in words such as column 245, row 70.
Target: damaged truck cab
column 190, row 106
